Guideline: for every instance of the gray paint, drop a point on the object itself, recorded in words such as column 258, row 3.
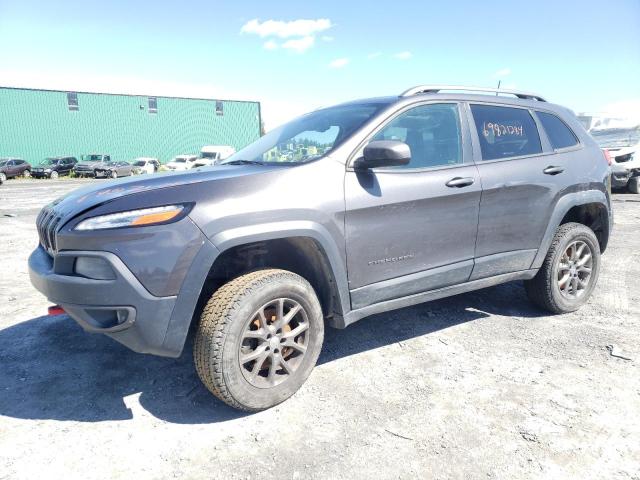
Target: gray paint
column 391, row 238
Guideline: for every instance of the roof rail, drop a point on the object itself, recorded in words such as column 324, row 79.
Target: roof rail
column 437, row 88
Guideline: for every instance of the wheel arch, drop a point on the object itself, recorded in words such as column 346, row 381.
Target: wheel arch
column 590, row 208
column 309, row 252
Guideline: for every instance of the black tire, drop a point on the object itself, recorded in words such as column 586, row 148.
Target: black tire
column 113, row 174
column 232, row 311
column 3, row 177
column 544, row 289
column 54, row 175
column 26, row 173
column 634, row 185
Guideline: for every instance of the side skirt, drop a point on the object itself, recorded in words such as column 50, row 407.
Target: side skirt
column 355, row 315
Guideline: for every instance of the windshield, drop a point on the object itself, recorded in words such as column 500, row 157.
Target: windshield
column 617, row 137
column 139, row 163
column 310, row 136
column 49, row 161
column 213, row 155
column 180, row 160
column 3, row 163
column 92, row 158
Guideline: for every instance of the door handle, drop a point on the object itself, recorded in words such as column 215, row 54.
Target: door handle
column 553, row 170
column 459, row 182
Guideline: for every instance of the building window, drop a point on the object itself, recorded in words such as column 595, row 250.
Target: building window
column 72, row 101
column 153, row 105
column 219, row 108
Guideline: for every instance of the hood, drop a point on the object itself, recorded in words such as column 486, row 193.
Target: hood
column 85, row 198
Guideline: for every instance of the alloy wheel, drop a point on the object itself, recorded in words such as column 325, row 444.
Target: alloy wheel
column 274, row 343
column 574, row 270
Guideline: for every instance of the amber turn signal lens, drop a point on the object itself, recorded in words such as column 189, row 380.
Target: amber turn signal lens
column 152, row 218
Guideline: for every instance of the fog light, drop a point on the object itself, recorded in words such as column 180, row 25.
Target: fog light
column 94, row 267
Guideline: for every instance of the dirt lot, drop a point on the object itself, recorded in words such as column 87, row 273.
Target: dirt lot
column 476, row 386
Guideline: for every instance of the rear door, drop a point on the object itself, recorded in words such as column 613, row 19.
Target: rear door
column 411, row 229
column 522, row 177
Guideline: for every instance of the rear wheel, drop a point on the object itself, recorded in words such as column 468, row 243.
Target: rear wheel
column 570, row 270
column 634, row 185
column 259, row 337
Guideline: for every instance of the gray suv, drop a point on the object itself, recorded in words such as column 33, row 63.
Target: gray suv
column 348, row 211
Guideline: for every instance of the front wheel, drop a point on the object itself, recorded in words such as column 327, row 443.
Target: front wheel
column 26, row 174
column 114, row 174
column 259, row 337
column 53, row 175
column 3, row 177
column 570, row 270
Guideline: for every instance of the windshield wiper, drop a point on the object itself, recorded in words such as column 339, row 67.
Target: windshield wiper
column 242, row 162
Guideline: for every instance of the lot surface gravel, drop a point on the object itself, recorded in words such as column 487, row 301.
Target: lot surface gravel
column 476, row 386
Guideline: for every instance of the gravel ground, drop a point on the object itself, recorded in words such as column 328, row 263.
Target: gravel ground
column 480, row 385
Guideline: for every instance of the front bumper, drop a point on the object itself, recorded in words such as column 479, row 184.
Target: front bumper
column 40, row 174
column 120, row 308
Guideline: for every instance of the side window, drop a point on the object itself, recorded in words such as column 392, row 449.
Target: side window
column 432, row 133
column 505, row 132
column 107, row 158
column 559, row 134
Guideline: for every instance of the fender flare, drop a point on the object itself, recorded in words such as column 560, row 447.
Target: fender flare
column 563, row 205
column 294, row 228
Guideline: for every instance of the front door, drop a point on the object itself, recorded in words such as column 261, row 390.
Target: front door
column 413, row 228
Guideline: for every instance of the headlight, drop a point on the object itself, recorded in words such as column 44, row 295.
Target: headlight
column 134, row 218
column 47, row 170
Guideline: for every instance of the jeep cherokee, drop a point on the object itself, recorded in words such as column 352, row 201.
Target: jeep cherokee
column 345, row 212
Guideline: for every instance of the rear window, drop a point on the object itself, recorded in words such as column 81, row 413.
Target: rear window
column 505, row 132
column 559, row 134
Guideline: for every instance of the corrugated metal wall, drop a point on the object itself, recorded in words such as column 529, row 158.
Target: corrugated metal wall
column 35, row 124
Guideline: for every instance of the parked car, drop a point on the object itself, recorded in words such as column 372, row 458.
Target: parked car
column 54, row 167
column 114, row 170
column 145, row 165
column 213, row 154
column 88, row 164
column 14, row 167
column 415, row 197
column 623, row 147
column 182, row 162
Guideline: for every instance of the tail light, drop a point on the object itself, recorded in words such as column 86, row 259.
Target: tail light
column 607, row 156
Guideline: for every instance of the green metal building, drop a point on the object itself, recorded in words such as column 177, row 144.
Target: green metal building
column 35, row 124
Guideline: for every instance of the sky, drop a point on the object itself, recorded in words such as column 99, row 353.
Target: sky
column 296, row 56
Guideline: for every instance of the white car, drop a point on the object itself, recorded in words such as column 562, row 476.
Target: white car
column 182, row 162
column 145, row 165
column 214, row 154
column 623, row 147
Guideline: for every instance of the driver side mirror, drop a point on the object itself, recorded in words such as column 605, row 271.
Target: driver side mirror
column 384, row 153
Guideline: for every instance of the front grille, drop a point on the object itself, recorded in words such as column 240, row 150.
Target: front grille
column 47, row 223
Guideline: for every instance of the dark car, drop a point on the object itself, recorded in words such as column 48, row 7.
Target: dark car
column 54, row 167
column 14, row 167
column 87, row 165
column 113, row 170
column 378, row 204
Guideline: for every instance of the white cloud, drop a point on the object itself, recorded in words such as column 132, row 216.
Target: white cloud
column 371, row 56
column 403, row 55
column 339, row 63
column 270, row 45
column 503, row 72
column 327, row 38
column 299, row 45
column 281, row 29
